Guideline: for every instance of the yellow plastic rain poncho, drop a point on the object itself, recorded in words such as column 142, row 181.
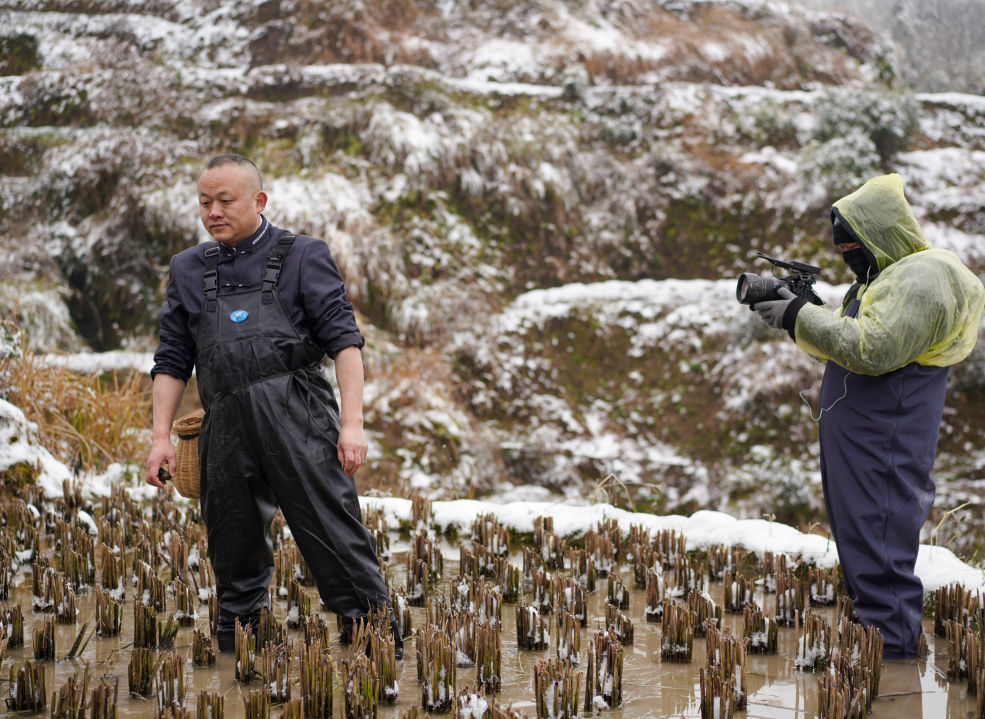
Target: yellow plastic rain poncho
column 924, row 306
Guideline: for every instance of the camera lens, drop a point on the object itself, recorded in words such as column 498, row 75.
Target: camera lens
column 751, row 288
column 742, row 287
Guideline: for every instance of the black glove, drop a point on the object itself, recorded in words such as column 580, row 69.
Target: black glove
column 781, row 314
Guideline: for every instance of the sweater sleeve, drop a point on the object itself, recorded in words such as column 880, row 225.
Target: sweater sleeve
column 175, row 354
column 329, row 314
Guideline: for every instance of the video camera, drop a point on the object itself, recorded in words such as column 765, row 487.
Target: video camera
column 756, row 288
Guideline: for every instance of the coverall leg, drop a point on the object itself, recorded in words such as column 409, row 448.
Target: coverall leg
column 878, row 444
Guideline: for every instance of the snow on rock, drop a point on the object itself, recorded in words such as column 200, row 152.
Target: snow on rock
column 18, row 445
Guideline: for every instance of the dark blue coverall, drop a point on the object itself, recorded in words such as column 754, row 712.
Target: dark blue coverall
column 878, row 444
column 914, row 312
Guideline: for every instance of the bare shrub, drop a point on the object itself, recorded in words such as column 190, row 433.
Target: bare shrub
column 86, row 421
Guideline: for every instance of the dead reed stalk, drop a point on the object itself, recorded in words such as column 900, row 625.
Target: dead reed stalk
column 603, row 686
column 655, row 595
column 616, row 592
column 717, row 693
column 722, row 561
column 618, row 624
column 184, row 603
column 685, row 578
column 210, row 705
column 44, row 640
column 245, row 652
column 953, row 603
column 602, row 551
column 81, row 641
column 789, row 599
column 489, row 656
column 556, row 689
column 112, row 569
column 738, row 593
column 814, row 644
column 421, row 514
column 401, row 610
column 955, row 634
column 837, row 700
column 269, row 630
column 463, row 627
column 861, row 646
column 760, row 631
column 532, row 629
column 257, row 704
column 645, row 558
column 508, row 580
column 581, row 566
column 69, row 702
column 729, row 653
column 570, row 597
column 822, row 585
column 317, row 673
column 27, row 687
column 142, row 670
column 12, row 624
column 568, row 638
column 436, row 669
column 171, row 683
column 670, row 544
column 771, row 566
column 677, row 639
column 490, row 534
column 706, row 612
column 275, row 671
column 316, row 631
column 105, row 697
column 109, row 614
column 203, row 649
column 542, row 586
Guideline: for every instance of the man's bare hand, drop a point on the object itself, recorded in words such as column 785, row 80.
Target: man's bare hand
column 161, row 455
column 352, row 447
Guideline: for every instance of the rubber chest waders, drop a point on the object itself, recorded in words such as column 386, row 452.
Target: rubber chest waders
column 878, row 445
column 268, row 440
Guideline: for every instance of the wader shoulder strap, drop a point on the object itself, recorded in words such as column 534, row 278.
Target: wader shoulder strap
column 272, row 272
column 210, row 279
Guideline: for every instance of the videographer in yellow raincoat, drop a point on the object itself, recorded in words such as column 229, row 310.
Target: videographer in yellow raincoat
column 914, row 311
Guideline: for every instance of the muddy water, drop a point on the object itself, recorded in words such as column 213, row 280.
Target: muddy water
column 651, row 687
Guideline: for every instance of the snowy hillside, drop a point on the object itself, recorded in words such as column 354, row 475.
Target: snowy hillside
column 540, row 209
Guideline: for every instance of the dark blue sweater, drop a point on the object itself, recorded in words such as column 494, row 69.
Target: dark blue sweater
column 310, row 288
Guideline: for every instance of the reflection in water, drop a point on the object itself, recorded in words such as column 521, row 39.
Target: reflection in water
column 651, row 688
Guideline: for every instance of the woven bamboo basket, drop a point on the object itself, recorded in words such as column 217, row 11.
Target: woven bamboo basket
column 186, row 479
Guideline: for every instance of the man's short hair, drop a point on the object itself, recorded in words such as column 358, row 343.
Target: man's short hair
column 232, row 159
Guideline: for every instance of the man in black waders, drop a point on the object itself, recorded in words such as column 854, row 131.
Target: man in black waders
column 913, row 312
column 255, row 313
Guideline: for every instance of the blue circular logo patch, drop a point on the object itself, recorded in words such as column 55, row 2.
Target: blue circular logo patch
column 239, row 315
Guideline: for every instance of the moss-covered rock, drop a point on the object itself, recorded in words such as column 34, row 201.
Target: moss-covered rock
column 18, row 476
column 18, row 54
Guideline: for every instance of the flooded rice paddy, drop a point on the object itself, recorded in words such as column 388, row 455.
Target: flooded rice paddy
column 651, row 686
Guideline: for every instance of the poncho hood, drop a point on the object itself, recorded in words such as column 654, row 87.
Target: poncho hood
column 882, row 220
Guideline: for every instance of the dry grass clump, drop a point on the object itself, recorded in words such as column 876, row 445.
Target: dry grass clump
column 86, row 421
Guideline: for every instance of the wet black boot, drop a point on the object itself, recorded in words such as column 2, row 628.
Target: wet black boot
column 345, row 625
column 225, row 632
column 398, row 641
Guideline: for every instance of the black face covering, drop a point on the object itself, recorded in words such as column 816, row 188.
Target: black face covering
column 840, row 235
column 859, row 264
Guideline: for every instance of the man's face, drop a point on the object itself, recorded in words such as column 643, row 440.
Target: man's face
column 230, row 202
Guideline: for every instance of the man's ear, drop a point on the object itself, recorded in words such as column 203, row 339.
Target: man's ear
column 261, row 201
